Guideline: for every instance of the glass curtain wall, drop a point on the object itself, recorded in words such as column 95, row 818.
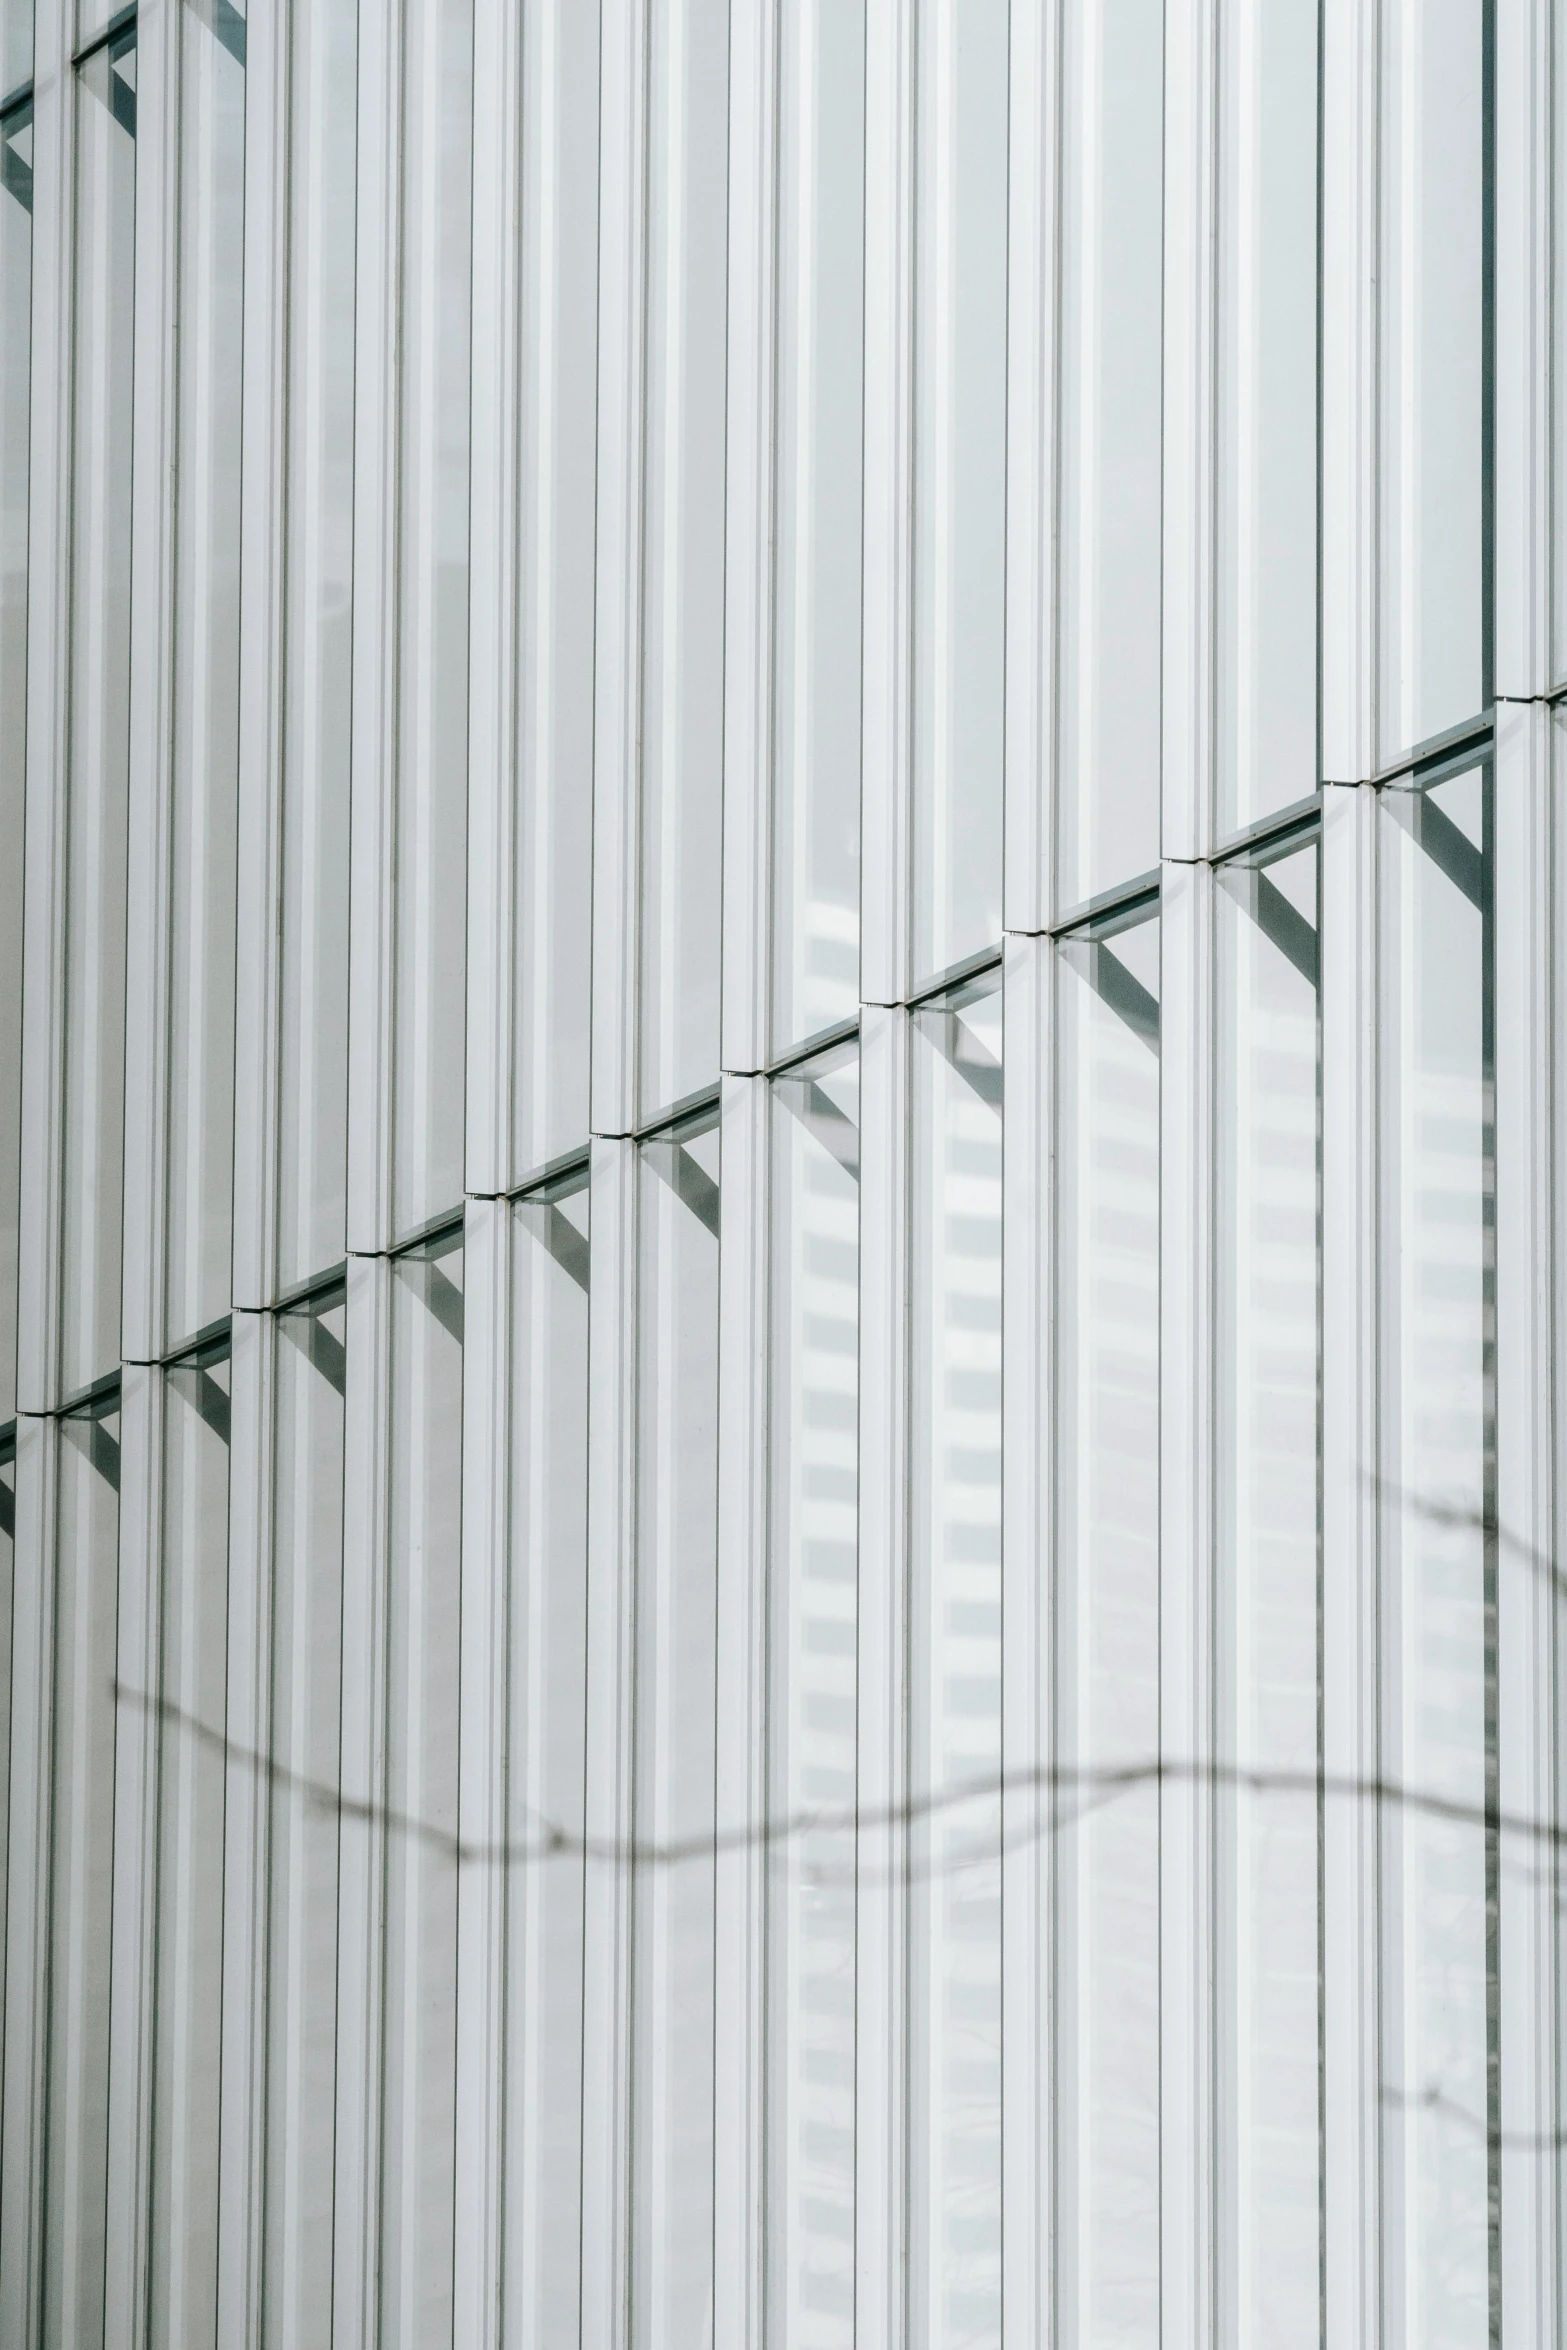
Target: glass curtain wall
column 16, row 285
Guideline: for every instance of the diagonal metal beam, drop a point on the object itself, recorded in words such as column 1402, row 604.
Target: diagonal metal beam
column 687, row 1179
column 555, row 1229
column 973, row 1060
column 1117, row 987
column 1275, row 917
column 321, row 1348
column 820, row 1115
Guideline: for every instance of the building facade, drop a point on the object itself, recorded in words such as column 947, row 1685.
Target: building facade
column 783, row 1174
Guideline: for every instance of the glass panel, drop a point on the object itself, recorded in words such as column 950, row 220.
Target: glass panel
column 7, row 1620
column 419, row 2053
column 16, row 256
column 813, row 1368
column 676, row 1631
column 1431, row 460
column 683, row 545
column 432, row 540
column 558, row 259
column 546, row 1761
column 960, row 373
column 1266, row 683
column 206, row 677
column 302, row 1865
column 816, row 544
column 74, row 2145
column 1265, row 1454
column 1108, row 581
column 318, row 643
column 16, row 44
column 187, row 2022
column 1106, row 2044
column 954, row 1903
column 1437, row 1597
column 99, row 741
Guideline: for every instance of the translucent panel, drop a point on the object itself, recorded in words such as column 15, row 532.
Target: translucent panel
column 683, row 545
column 558, row 259
column 419, row 2051
column 16, row 247
column 1437, row 1597
column 673, row 1765
column 99, row 740
column 813, row 1368
column 432, row 542
column 1265, row 1454
column 816, row 531
column 1430, row 459
column 74, row 2146
column 302, row 1864
column 954, row 1732
column 545, row 1765
column 16, row 44
column 206, row 677
column 1111, row 393
column 317, row 643
column 188, row 1992
column 960, row 396
column 1266, row 553
column 1106, row 2039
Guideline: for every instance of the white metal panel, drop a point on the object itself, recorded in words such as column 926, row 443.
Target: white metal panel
column 362, row 1851
column 1027, row 1652
column 744, row 1862
column 886, row 755
column 606, row 2004
column 138, row 1738
column 1186, row 1628
column 1522, row 144
column 262, row 556
column 1528, row 885
column 1351, row 2120
column 881, row 1904
column 1349, row 388
column 154, row 513
column 1190, row 328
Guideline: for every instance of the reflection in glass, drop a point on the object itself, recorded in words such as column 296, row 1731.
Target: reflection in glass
column 816, row 547
column 545, row 1762
column 808, row 2200
column 302, row 1865
column 1265, row 1457
column 16, row 43
column 419, row 2050
column 683, row 545
column 432, row 667
column 205, row 766
column 960, row 366
column 99, row 741
column 1266, row 566
column 557, row 246
column 1106, row 1697
column 16, row 256
column 1437, row 1592
column 188, row 1990
column 954, row 1853
column 1108, row 576
column 317, row 643
column 74, row 2139
column 1431, row 458
column 676, row 1699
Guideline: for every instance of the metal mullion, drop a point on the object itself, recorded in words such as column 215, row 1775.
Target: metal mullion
column 750, row 494
column 1524, row 306
column 154, row 530
column 356, row 2240
column 607, row 1920
column 483, row 1766
column 882, row 2288
column 138, row 1767
column 744, row 1866
column 45, row 849
column 617, row 681
column 886, row 815
column 263, row 475
column 1028, row 1646
column 1190, row 416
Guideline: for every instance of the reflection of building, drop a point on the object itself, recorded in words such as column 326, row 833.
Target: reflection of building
column 779, row 1174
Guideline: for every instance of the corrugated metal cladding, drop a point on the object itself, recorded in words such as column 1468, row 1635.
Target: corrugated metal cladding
column 783, row 1174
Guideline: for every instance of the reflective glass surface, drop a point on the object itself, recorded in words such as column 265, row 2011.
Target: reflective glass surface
column 954, row 1849
column 811, row 1641
column 16, row 144
column 1106, row 1633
